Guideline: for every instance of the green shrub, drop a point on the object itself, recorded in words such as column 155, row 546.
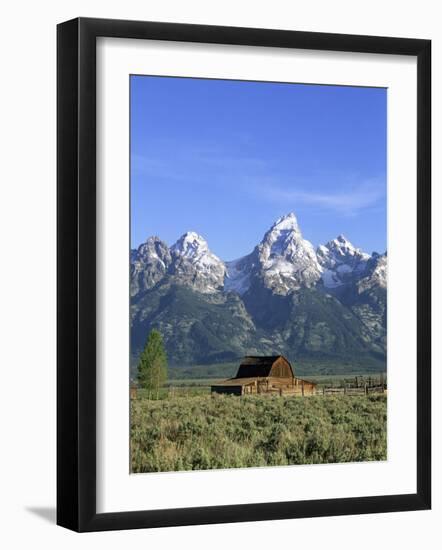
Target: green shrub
column 221, row 431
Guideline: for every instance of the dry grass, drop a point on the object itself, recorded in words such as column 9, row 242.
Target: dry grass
column 221, row 431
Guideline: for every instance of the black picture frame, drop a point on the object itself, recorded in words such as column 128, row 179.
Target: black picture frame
column 76, row 274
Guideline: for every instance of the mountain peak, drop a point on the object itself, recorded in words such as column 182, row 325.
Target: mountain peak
column 282, row 233
column 342, row 246
column 194, row 265
column 341, row 241
column 154, row 247
column 287, row 260
column 190, row 244
column 149, row 264
column 341, row 261
column 286, row 223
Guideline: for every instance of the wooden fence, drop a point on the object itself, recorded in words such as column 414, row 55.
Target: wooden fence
column 360, row 390
column 299, row 391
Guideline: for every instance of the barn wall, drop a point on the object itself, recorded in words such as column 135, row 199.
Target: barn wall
column 232, row 390
column 250, row 371
column 281, row 368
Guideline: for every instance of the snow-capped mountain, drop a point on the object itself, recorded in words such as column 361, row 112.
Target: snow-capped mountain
column 375, row 273
column 195, row 265
column 282, row 262
column 283, row 297
column 287, row 260
column 340, row 262
column 149, row 264
column 188, row 262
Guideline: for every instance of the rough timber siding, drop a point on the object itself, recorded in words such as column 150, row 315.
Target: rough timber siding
column 233, row 390
column 281, row 368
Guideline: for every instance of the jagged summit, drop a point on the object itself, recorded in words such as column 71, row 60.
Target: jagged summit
column 286, row 259
column 195, row 266
column 190, row 244
column 284, row 231
column 149, row 264
column 282, row 262
column 282, row 234
column 375, row 274
column 340, row 261
column 343, row 246
column 284, row 296
column 286, row 223
column 153, row 245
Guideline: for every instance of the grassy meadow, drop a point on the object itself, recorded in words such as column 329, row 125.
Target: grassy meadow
column 201, row 431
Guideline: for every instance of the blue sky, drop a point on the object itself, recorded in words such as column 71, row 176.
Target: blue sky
column 227, row 158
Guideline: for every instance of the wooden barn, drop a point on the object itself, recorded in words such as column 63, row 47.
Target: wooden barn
column 265, row 375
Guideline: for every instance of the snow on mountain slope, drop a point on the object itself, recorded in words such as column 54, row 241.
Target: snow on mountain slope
column 195, row 265
column 284, row 296
column 287, row 260
column 149, row 263
column 340, row 261
column 238, row 275
column 375, row 274
column 283, row 262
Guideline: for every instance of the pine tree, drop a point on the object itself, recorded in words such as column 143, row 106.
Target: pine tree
column 152, row 366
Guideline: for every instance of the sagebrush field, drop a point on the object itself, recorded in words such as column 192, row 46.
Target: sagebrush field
column 219, row 431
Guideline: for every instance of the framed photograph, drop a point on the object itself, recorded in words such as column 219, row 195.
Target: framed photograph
column 243, row 274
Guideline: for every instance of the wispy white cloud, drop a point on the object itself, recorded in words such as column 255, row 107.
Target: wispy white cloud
column 200, row 163
column 347, row 200
column 197, row 163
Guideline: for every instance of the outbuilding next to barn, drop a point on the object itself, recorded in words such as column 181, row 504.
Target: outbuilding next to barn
column 271, row 374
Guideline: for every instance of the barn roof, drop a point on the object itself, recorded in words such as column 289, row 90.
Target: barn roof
column 258, row 365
